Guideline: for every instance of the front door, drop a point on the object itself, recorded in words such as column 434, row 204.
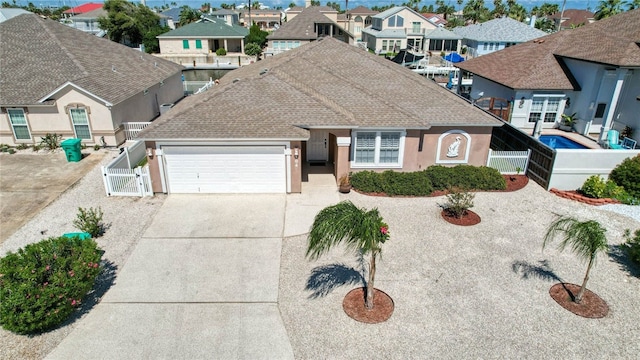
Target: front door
column 318, row 146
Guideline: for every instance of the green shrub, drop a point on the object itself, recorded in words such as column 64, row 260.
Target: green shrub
column 90, row 221
column 627, row 175
column 252, row 49
column 11, row 151
column 22, row 146
column 466, row 177
column 96, row 147
column 366, row 181
column 41, row 284
column 51, row 141
column 632, row 246
column 458, row 202
column 596, row 187
column 221, row 52
column 35, row 147
column 405, row 183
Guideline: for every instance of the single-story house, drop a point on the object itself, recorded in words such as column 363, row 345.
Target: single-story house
column 497, row 34
column 592, row 70
column 326, row 102
column 59, row 80
column 88, row 22
column 310, row 24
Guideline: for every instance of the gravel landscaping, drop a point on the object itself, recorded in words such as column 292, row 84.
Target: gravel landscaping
column 126, row 217
column 464, row 292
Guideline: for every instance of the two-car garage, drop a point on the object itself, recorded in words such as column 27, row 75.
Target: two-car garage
column 225, row 169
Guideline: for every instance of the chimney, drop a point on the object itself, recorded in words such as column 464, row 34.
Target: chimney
column 533, row 21
column 307, row 3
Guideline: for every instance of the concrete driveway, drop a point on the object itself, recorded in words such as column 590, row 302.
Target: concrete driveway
column 201, row 283
column 29, row 182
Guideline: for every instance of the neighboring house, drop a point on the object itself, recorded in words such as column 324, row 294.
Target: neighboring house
column 58, row 80
column 267, row 19
column 203, row 37
column 172, row 17
column 593, row 71
column 230, row 17
column 311, row 24
column 441, row 39
column 329, row 12
column 572, row 18
column 397, row 28
column 84, row 8
column 497, row 34
column 355, row 20
column 88, row 22
column 323, row 103
column 8, row 13
column 436, row 19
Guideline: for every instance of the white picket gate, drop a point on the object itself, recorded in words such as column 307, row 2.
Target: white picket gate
column 509, row 162
column 120, row 179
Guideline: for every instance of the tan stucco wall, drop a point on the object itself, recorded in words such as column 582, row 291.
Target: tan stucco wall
column 174, row 46
column 296, row 167
column 480, row 141
column 340, row 154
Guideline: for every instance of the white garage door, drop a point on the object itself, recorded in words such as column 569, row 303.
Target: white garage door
column 225, row 169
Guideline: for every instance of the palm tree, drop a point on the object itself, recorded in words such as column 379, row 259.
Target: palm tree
column 188, row 16
column 361, row 230
column 586, row 239
column 608, row 8
column 633, row 4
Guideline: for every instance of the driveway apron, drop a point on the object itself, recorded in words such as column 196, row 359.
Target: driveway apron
column 201, row 283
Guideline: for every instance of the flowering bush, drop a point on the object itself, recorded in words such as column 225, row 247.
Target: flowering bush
column 384, row 230
column 41, row 284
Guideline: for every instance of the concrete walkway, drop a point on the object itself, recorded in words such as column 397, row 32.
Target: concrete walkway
column 203, row 281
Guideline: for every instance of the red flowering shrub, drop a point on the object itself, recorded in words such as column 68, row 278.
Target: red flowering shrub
column 42, row 283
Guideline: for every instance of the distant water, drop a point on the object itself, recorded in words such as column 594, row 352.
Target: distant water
column 528, row 4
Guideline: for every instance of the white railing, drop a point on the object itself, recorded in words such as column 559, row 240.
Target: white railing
column 509, row 162
column 131, row 129
column 122, row 176
column 206, row 86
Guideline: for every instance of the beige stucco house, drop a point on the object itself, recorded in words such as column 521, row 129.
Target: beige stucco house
column 89, row 90
column 397, row 28
column 326, row 103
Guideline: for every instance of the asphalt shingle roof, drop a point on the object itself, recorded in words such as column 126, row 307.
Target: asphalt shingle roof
column 502, row 29
column 326, row 83
column 362, row 10
column 46, row 54
column 211, row 27
column 442, row 33
column 301, row 27
column 538, row 64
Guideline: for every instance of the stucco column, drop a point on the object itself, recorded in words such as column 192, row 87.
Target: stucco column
column 342, row 156
column 226, row 47
column 614, row 104
column 242, row 45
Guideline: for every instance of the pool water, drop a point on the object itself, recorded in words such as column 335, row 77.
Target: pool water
column 560, row 142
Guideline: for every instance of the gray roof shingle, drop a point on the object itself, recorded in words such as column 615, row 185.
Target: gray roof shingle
column 46, row 54
column 210, row 28
column 301, row 27
column 325, row 83
column 502, row 29
column 537, row 64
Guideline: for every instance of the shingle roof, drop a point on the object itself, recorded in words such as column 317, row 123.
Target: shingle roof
column 441, row 33
column 46, row 54
column 8, row 13
column 362, row 10
column 173, row 13
column 502, row 29
column 301, row 27
column 386, row 33
column 325, row 83
column 224, row 12
column 93, row 14
column 538, row 64
column 573, row 17
column 210, row 28
column 83, row 8
column 385, row 14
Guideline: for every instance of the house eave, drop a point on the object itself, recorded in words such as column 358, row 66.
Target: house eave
column 69, row 83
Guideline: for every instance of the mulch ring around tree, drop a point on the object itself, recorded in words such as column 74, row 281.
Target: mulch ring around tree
column 353, row 305
column 468, row 219
column 592, row 306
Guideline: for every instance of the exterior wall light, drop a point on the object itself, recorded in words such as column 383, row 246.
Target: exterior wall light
column 521, row 104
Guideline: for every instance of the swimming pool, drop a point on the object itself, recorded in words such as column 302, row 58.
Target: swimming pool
column 560, row 142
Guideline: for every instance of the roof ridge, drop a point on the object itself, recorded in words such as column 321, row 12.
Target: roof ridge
column 67, row 52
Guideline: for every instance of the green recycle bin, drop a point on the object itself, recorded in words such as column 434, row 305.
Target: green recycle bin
column 72, row 148
column 80, row 235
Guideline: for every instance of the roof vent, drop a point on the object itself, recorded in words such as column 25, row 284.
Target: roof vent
column 155, row 63
column 113, row 68
column 236, row 80
column 264, row 71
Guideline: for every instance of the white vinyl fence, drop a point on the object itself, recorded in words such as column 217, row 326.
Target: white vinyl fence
column 122, row 177
column 509, row 162
column 131, row 129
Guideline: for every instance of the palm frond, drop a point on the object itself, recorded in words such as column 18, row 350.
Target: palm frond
column 585, row 238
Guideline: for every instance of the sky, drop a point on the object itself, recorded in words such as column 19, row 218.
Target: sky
column 528, row 4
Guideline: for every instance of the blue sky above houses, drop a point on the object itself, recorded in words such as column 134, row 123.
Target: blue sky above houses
column 571, row 4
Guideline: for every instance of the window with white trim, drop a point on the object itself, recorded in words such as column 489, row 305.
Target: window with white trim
column 18, row 121
column 544, row 108
column 80, row 121
column 378, row 148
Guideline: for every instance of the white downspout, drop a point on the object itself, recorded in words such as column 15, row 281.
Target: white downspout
column 614, row 104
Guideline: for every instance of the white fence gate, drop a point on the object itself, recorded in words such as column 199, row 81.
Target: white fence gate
column 122, row 177
column 509, row 162
column 131, row 129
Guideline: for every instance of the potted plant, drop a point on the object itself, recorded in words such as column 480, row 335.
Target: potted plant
column 568, row 122
column 344, row 185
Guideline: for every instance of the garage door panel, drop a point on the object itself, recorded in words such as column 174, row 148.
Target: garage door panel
column 225, row 169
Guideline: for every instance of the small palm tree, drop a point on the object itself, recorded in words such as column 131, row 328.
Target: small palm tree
column 586, row 239
column 361, row 230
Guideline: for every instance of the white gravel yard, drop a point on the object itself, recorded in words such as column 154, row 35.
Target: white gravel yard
column 466, row 292
column 126, row 217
